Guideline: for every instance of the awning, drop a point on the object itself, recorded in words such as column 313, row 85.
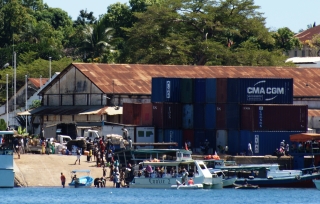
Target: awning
column 24, row 113
column 105, row 110
column 303, row 137
column 114, row 110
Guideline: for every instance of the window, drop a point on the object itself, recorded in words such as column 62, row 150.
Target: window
column 296, row 53
column 303, row 53
column 140, row 133
column 149, row 133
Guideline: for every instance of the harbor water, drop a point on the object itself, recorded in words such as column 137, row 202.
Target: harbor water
column 157, row 196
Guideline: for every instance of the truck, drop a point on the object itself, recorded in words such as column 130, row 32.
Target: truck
column 63, row 139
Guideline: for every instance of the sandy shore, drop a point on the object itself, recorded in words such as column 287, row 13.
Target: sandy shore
column 35, row 170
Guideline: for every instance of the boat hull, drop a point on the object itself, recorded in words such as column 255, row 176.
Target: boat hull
column 316, row 183
column 229, row 182
column 304, row 181
column 248, row 187
column 187, row 187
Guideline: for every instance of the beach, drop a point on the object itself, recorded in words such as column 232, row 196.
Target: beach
column 36, row 170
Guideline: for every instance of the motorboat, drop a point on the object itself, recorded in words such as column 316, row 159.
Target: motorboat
column 186, row 186
column 160, row 173
column 81, row 182
column 316, row 183
column 216, row 171
column 269, row 175
column 246, row 186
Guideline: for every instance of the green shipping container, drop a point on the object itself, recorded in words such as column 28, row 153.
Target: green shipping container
column 186, row 90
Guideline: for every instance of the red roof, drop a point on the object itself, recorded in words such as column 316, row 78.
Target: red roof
column 308, row 34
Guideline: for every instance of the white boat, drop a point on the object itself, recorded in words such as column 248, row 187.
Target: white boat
column 6, row 160
column 269, row 175
column 214, row 167
column 187, row 186
column 316, row 183
column 167, row 177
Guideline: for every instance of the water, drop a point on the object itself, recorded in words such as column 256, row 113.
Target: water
column 157, row 196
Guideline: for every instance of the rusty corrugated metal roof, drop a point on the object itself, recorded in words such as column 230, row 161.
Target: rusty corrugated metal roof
column 36, row 81
column 313, row 112
column 136, row 78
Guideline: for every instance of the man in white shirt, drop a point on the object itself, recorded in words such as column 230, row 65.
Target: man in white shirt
column 250, row 153
column 125, row 133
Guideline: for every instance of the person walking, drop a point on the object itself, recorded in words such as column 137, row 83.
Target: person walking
column 63, row 180
column 78, row 156
column 250, row 153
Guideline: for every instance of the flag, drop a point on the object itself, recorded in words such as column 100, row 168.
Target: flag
column 185, row 146
column 215, row 153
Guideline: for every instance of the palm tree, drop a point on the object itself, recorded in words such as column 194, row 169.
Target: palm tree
column 97, row 41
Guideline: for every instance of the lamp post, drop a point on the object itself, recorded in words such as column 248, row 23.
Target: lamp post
column 49, row 68
column 15, row 83
column 7, row 101
column 26, row 102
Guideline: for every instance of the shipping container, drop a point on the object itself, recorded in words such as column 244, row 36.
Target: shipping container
column 187, row 87
column 210, row 116
column 222, row 90
column 146, row 114
column 233, row 142
column 165, row 90
column 278, row 117
column 199, row 90
column 188, row 135
column 167, row 115
column 233, row 116
column 221, row 116
column 145, row 135
column 221, row 139
column 200, row 136
column 263, row 143
column 137, row 113
column 260, row 90
column 199, row 116
column 211, row 90
column 127, row 116
column 173, row 135
column 187, row 116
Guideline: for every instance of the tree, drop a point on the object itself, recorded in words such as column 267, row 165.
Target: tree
column 97, row 41
column 285, row 40
column 85, row 18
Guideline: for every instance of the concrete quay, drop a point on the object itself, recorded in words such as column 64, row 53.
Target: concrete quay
column 36, row 170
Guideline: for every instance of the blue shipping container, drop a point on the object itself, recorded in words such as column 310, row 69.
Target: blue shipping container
column 165, row 90
column 211, row 90
column 210, row 135
column 233, row 116
column 210, row 116
column 263, row 143
column 187, row 116
column 199, row 116
column 260, row 91
column 233, row 142
column 174, row 135
column 200, row 136
column 199, row 90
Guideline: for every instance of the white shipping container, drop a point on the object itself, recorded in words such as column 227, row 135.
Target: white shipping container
column 145, row 135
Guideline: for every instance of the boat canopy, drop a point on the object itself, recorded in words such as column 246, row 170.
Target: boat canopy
column 304, row 137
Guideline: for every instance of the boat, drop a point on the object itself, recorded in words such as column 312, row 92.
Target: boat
column 246, row 186
column 156, row 173
column 187, row 186
column 7, row 173
column 81, row 182
column 316, row 183
column 270, row 175
column 214, row 167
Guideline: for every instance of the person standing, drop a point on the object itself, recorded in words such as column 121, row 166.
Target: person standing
column 78, row 156
column 125, row 133
column 130, row 142
column 250, row 153
column 206, row 146
column 63, row 180
column 104, row 171
column 43, row 145
column 122, row 147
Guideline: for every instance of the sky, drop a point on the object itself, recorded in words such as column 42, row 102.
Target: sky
column 278, row 13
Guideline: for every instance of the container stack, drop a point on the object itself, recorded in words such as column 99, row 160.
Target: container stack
column 227, row 112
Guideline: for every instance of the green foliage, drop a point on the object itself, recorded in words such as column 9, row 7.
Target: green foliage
column 285, row 40
column 3, row 124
